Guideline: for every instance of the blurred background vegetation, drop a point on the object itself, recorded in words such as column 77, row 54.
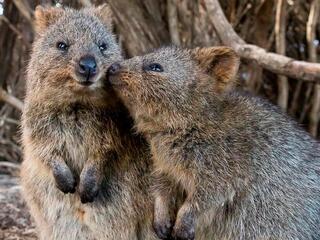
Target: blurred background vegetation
column 288, row 27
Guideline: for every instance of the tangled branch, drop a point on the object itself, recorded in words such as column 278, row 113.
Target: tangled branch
column 13, row 101
column 271, row 61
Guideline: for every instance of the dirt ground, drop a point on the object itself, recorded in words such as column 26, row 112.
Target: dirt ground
column 15, row 220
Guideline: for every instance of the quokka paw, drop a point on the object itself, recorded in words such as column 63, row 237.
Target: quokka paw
column 64, row 178
column 163, row 229
column 89, row 184
column 184, row 233
column 184, row 229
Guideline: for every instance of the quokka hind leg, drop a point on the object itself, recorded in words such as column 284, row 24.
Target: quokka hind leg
column 165, row 193
column 184, row 227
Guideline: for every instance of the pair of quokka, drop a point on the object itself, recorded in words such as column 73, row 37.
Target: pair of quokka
column 225, row 165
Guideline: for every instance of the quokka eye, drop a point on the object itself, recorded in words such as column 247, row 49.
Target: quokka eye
column 62, row 46
column 103, row 47
column 154, row 67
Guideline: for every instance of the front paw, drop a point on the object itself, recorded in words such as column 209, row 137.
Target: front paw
column 163, row 228
column 64, row 178
column 184, row 228
column 89, row 184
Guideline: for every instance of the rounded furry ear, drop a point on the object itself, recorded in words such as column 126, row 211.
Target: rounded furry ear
column 46, row 16
column 104, row 13
column 222, row 63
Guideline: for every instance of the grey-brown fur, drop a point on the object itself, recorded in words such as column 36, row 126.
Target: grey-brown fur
column 78, row 138
column 243, row 164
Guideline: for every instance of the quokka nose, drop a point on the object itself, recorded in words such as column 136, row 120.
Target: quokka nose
column 114, row 68
column 87, row 67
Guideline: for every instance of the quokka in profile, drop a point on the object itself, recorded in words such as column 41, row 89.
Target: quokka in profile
column 77, row 136
column 241, row 162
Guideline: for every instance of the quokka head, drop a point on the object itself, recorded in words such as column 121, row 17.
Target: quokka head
column 72, row 50
column 172, row 78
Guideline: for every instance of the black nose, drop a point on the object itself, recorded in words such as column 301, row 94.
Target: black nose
column 114, row 68
column 87, row 67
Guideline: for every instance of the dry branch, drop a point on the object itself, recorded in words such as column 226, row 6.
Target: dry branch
column 15, row 30
column 11, row 26
column 312, row 51
column 12, row 165
column 86, row 3
column 173, row 22
column 13, row 101
column 280, row 34
column 25, row 10
column 274, row 62
column 140, row 24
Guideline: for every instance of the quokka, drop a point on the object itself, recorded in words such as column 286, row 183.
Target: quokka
column 77, row 135
column 242, row 163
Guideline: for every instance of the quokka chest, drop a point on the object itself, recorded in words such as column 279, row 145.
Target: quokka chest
column 171, row 150
column 80, row 135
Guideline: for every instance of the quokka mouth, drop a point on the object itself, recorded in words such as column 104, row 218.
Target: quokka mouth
column 85, row 83
column 116, row 81
column 82, row 82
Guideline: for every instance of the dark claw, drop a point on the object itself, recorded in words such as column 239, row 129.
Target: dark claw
column 184, row 234
column 163, row 229
column 185, row 228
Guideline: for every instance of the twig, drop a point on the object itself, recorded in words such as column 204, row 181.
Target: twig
column 9, row 120
column 295, row 98
column 273, row 62
column 86, row 3
column 13, row 101
column 306, row 104
column 173, row 21
column 280, row 34
column 10, row 167
column 11, row 144
column 14, row 166
column 312, row 52
column 15, row 30
column 25, row 10
column 241, row 14
column 11, row 26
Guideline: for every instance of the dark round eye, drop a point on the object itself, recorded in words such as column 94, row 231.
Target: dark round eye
column 103, row 47
column 62, row 46
column 154, row 67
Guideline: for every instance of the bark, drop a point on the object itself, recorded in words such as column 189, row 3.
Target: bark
column 311, row 37
column 25, row 10
column 172, row 12
column 141, row 25
column 280, row 32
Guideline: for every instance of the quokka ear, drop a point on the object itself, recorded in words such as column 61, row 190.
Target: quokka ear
column 46, row 16
column 222, row 63
column 104, row 13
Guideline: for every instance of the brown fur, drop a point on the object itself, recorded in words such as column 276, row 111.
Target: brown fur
column 78, row 138
column 247, row 170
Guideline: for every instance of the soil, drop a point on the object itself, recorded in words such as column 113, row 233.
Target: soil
column 15, row 220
